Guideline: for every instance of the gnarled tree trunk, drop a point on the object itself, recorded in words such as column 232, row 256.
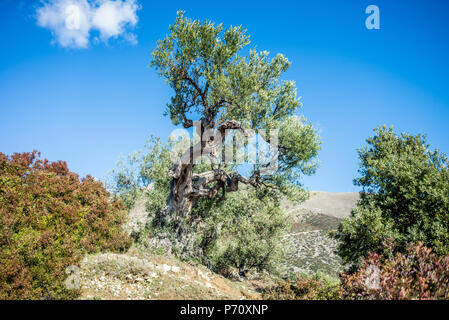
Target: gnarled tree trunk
column 186, row 187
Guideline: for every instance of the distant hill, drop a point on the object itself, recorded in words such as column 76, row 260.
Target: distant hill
column 334, row 204
column 312, row 249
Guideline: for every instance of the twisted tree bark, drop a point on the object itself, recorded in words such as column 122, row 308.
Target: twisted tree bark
column 186, row 188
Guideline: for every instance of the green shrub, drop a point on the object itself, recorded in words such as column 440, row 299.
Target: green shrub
column 48, row 220
column 418, row 273
column 316, row 287
column 405, row 196
column 244, row 232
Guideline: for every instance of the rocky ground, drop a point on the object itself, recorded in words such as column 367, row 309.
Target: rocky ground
column 136, row 275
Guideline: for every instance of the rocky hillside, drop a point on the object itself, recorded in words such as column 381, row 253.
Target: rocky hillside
column 311, row 248
column 138, row 275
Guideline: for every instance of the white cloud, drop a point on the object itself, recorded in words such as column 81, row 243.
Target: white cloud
column 72, row 21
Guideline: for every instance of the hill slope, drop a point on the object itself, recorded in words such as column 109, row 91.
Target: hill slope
column 312, row 249
column 137, row 275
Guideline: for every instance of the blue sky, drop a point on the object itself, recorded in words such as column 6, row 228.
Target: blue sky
column 89, row 106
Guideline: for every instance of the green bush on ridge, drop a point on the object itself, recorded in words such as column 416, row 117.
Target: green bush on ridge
column 405, row 196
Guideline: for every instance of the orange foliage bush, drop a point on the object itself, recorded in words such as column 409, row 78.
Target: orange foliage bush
column 49, row 219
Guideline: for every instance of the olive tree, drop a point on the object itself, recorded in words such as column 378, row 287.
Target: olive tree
column 218, row 90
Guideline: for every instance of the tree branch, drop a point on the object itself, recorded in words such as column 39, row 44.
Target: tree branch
column 185, row 76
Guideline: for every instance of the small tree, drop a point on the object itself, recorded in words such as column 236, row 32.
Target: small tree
column 405, row 196
column 224, row 91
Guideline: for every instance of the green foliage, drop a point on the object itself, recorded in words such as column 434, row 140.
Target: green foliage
column 48, row 220
column 126, row 180
column 196, row 53
column 405, row 196
column 243, row 232
column 299, row 146
column 418, row 273
column 239, row 88
column 365, row 231
column 304, row 287
column 141, row 170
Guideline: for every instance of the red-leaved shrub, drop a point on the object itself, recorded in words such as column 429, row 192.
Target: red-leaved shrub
column 49, row 219
column 418, row 273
